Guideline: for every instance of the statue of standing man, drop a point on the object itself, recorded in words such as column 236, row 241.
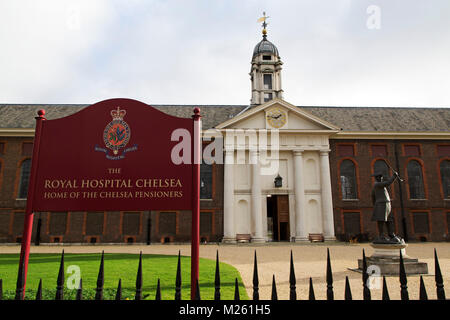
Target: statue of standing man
column 382, row 209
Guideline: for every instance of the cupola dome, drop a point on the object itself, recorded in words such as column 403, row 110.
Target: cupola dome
column 265, row 46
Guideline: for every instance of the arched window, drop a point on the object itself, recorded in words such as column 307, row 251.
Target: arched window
column 415, row 180
column 381, row 166
column 349, row 185
column 24, row 179
column 445, row 178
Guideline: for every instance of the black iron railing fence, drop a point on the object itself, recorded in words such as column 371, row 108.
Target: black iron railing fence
column 440, row 292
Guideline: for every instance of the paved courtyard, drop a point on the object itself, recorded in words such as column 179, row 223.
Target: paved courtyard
column 273, row 259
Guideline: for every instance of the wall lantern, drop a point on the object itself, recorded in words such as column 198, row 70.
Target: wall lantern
column 278, row 182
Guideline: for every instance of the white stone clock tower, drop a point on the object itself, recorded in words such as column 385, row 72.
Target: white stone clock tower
column 265, row 73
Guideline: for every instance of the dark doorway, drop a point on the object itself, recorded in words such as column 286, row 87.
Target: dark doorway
column 278, row 217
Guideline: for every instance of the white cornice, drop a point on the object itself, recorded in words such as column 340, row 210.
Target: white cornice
column 287, row 105
column 391, row 135
column 16, row 132
column 334, row 134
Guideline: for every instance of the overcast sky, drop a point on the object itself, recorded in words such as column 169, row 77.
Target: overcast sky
column 335, row 52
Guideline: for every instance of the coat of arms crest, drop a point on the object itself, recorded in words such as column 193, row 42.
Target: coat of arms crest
column 116, row 135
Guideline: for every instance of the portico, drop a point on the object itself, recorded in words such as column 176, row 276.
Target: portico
column 256, row 153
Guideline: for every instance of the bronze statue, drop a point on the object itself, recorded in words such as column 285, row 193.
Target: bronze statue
column 382, row 209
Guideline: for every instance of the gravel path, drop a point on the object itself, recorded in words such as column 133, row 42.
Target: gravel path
column 273, row 259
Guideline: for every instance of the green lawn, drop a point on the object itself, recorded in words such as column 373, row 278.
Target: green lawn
column 123, row 266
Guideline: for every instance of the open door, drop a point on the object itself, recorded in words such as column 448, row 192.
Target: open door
column 278, row 218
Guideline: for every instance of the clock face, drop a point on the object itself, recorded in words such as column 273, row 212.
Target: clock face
column 276, row 117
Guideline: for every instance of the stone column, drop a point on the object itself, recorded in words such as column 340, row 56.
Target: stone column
column 327, row 200
column 299, row 188
column 256, row 197
column 229, row 233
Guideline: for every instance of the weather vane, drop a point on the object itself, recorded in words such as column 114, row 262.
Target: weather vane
column 264, row 25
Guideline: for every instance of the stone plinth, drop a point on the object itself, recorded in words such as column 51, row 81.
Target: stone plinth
column 387, row 258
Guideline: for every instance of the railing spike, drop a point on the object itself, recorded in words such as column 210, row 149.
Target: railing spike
column 292, row 281
column 119, row 290
column 39, row 291
column 138, row 295
column 217, row 279
column 440, row 292
column 365, row 278
column 100, row 280
column 423, row 291
column 255, row 279
column 60, row 282
column 236, row 290
column 348, row 291
column 385, row 295
column 312, row 295
column 403, row 280
column 158, row 291
column 178, row 279
column 20, row 288
column 274, row 295
column 330, row 294
column 79, row 295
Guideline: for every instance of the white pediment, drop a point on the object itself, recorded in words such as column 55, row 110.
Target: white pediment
column 296, row 118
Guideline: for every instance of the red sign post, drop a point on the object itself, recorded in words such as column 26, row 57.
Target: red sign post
column 115, row 155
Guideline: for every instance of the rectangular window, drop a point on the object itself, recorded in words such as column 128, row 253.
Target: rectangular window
column 411, row 150
column 267, row 58
column 205, row 223
column 352, row 223
column 346, row 150
column 206, row 181
column 168, row 223
column 25, row 171
column 443, row 150
column 267, row 97
column 57, row 223
column 18, row 219
column 267, row 81
column 420, row 221
column 27, row 148
column 2, row 148
column 94, row 223
column 5, row 218
column 448, row 221
column 379, row 150
column 131, row 223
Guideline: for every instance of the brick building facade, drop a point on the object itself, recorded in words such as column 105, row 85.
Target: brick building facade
column 327, row 156
column 424, row 211
column 425, row 217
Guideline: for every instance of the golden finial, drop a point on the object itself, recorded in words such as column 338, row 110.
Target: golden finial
column 264, row 25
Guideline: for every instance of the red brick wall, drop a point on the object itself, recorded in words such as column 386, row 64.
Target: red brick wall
column 434, row 204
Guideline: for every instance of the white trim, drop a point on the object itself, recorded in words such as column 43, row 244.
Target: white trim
column 391, row 135
column 16, row 132
column 287, row 105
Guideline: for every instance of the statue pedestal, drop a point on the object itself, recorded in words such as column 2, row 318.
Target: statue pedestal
column 386, row 257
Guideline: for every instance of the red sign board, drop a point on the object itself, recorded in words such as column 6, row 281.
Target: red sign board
column 115, row 155
column 111, row 156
